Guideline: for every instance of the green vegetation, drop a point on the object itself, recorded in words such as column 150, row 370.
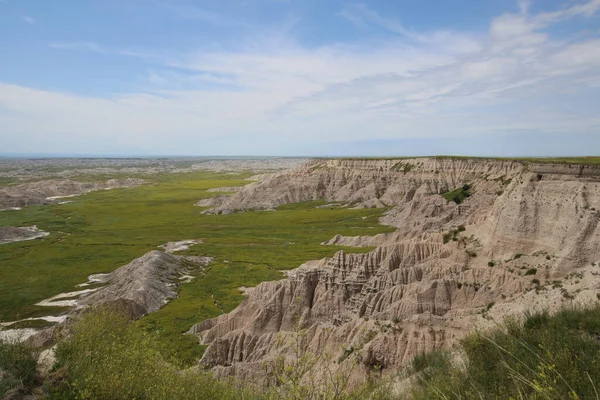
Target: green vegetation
column 6, row 181
column 458, row 195
column 546, row 357
column 531, row 271
column 403, row 166
column 453, row 234
column 104, row 230
column 107, row 358
column 17, row 368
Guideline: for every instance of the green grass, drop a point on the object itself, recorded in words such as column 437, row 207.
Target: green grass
column 458, row 195
column 6, row 181
column 105, row 357
column 17, row 366
column 104, row 230
column 453, row 234
column 546, row 357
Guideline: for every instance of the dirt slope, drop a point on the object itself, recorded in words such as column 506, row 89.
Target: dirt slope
column 528, row 237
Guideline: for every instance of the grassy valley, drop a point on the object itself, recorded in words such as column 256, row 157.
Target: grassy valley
column 103, row 230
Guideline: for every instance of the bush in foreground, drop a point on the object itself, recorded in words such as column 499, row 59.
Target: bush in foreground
column 17, row 368
column 106, row 357
column 545, row 357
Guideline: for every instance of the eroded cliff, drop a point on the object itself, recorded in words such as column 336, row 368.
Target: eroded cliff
column 527, row 237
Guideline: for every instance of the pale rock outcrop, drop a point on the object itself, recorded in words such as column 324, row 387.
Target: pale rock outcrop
column 139, row 288
column 48, row 191
column 9, row 234
column 525, row 239
column 146, row 284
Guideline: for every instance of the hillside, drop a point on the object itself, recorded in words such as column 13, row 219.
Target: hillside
column 525, row 236
column 287, row 281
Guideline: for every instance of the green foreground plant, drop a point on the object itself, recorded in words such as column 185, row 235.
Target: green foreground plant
column 545, row 357
column 105, row 357
column 17, row 368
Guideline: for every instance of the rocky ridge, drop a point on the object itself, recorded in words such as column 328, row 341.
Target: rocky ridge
column 141, row 287
column 526, row 237
column 48, row 191
column 146, row 284
column 9, row 234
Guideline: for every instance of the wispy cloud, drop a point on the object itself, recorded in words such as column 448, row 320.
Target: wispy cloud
column 363, row 16
column 201, row 14
column 87, row 46
column 273, row 91
column 29, row 20
column 95, row 48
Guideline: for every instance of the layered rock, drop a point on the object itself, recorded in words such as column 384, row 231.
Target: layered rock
column 9, row 234
column 146, row 284
column 362, row 183
column 46, row 192
column 527, row 237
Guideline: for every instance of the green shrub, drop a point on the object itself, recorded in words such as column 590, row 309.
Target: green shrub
column 403, row 166
column 452, row 235
column 491, row 264
column 546, row 357
column 458, row 195
column 428, row 364
column 531, row 271
column 107, row 358
column 17, row 367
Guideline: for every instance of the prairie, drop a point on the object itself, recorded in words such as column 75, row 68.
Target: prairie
column 103, row 230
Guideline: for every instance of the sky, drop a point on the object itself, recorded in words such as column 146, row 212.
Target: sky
column 300, row 77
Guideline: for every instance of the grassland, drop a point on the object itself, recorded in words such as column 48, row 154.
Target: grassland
column 103, row 230
column 545, row 357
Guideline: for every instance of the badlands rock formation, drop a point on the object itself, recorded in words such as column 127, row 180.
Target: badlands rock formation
column 527, row 237
column 47, row 192
column 146, row 284
column 141, row 287
column 9, row 234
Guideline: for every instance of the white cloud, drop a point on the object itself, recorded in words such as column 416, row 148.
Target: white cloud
column 362, row 16
column 29, row 20
column 276, row 94
column 88, row 46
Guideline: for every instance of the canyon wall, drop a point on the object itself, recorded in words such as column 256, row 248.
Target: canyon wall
column 526, row 238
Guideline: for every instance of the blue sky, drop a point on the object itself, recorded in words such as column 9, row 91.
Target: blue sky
column 300, row 77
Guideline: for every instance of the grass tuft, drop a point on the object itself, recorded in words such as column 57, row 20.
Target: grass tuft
column 545, row 357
